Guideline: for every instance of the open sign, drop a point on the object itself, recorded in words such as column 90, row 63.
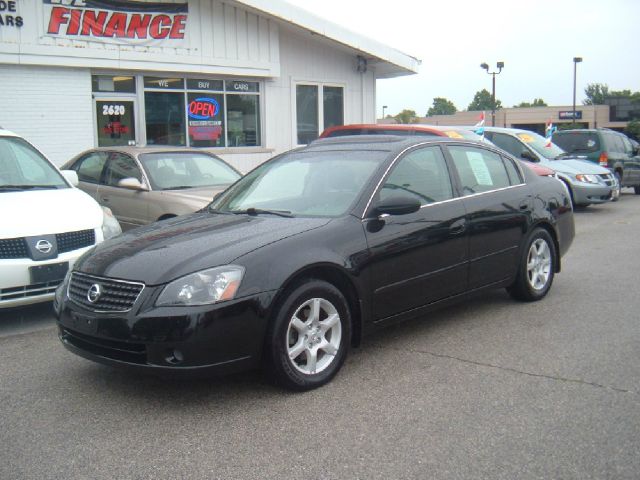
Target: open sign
column 203, row 108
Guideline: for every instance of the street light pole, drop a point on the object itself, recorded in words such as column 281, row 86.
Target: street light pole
column 384, row 107
column 500, row 66
column 576, row 61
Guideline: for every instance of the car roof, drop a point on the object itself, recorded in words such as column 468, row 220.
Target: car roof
column 7, row 133
column 136, row 150
column 390, row 143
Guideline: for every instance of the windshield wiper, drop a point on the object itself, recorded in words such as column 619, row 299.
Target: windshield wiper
column 28, row 187
column 258, row 211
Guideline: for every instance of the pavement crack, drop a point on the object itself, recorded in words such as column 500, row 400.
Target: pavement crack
column 519, row 372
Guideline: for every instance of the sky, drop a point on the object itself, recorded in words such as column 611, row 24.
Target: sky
column 536, row 40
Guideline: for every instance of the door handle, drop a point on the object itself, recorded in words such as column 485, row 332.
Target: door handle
column 458, row 227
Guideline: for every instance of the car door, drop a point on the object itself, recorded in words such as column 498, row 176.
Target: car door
column 129, row 206
column 498, row 206
column 421, row 257
column 89, row 168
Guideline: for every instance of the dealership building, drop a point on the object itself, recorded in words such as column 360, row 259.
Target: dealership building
column 244, row 79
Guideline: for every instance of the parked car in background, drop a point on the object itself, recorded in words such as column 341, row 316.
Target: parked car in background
column 313, row 249
column 456, row 132
column 587, row 183
column 409, row 129
column 145, row 184
column 46, row 223
column 608, row 148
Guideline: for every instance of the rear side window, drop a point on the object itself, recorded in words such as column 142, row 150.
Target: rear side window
column 479, row 170
column 577, row 142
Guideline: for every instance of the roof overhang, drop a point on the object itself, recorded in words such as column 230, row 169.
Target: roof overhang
column 388, row 62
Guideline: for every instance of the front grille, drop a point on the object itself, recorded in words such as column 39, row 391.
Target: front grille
column 13, row 248
column 115, row 296
column 607, row 178
column 26, row 291
column 70, row 241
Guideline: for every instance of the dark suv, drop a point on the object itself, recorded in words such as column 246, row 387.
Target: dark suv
column 609, row 148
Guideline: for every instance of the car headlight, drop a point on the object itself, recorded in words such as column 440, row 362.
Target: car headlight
column 61, row 291
column 587, row 178
column 110, row 225
column 203, row 288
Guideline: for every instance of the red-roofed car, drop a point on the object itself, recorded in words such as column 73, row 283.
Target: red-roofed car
column 382, row 129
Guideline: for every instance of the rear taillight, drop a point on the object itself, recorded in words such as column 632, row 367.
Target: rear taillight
column 604, row 159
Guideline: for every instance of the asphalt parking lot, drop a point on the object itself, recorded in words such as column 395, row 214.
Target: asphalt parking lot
column 487, row 389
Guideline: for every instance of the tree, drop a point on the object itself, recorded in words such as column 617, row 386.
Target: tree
column 442, row 106
column 482, row 101
column 406, row 116
column 537, row 102
column 596, row 93
column 633, row 129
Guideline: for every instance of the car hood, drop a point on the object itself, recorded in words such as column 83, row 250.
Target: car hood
column 203, row 195
column 166, row 250
column 39, row 212
column 575, row 166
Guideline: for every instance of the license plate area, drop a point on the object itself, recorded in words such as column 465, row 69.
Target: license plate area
column 53, row 272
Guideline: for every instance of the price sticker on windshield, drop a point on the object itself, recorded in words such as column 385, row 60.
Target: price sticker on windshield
column 526, row 138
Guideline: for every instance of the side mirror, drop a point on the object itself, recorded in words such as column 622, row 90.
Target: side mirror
column 131, row 184
column 397, row 205
column 527, row 155
column 70, row 176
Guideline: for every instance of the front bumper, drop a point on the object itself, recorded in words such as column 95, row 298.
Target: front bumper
column 585, row 194
column 16, row 287
column 212, row 339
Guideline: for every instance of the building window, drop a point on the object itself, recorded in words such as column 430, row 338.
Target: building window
column 164, row 115
column 311, row 113
column 180, row 111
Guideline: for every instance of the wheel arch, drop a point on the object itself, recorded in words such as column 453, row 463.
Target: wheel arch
column 336, row 276
column 554, row 236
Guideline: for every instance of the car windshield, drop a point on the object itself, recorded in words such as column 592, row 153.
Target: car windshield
column 547, row 149
column 174, row 170
column 306, row 183
column 578, row 142
column 22, row 167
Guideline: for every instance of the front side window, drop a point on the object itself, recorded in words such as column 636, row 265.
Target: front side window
column 508, row 144
column 421, row 173
column 121, row 166
column 479, row 170
column 23, row 167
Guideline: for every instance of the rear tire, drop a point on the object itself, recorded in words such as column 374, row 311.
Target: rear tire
column 637, row 189
column 536, row 269
column 308, row 340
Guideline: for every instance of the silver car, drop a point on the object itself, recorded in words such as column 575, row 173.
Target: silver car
column 144, row 184
column 587, row 182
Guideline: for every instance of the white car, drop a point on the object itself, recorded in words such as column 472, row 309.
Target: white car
column 46, row 224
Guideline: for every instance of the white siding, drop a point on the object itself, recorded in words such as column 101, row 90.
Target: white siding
column 50, row 107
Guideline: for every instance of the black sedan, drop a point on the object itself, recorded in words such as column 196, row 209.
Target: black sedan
column 309, row 252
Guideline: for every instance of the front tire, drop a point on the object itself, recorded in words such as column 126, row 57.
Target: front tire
column 310, row 335
column 536, row 269
column 637, row 189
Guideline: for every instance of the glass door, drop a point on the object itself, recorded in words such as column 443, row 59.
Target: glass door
column 115, row 121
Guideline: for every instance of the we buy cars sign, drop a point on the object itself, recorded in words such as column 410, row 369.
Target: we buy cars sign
column 115, row 21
